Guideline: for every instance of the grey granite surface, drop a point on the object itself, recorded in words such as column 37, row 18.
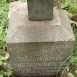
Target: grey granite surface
column 38, row 48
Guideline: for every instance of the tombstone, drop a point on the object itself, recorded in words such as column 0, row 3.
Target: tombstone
column 38, row 48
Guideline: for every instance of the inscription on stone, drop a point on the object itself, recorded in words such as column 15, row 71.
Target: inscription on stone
column 37, row 58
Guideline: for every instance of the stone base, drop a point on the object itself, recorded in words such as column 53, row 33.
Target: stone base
column 38, row 48
column 39, row 76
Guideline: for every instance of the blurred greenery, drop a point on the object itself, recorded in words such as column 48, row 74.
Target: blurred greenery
column 3, row 22
column 23, row 0
column 69, row 5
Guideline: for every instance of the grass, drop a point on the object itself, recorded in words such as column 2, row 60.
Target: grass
column 3, row 22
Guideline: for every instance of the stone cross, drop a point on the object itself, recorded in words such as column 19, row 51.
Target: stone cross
column 40, row 9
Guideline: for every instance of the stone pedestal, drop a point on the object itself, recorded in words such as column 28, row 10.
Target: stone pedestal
column 38, row 48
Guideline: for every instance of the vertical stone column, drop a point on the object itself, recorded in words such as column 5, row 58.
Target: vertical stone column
column 40, row 9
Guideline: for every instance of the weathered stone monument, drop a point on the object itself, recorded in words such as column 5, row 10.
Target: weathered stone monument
column 38, row 48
